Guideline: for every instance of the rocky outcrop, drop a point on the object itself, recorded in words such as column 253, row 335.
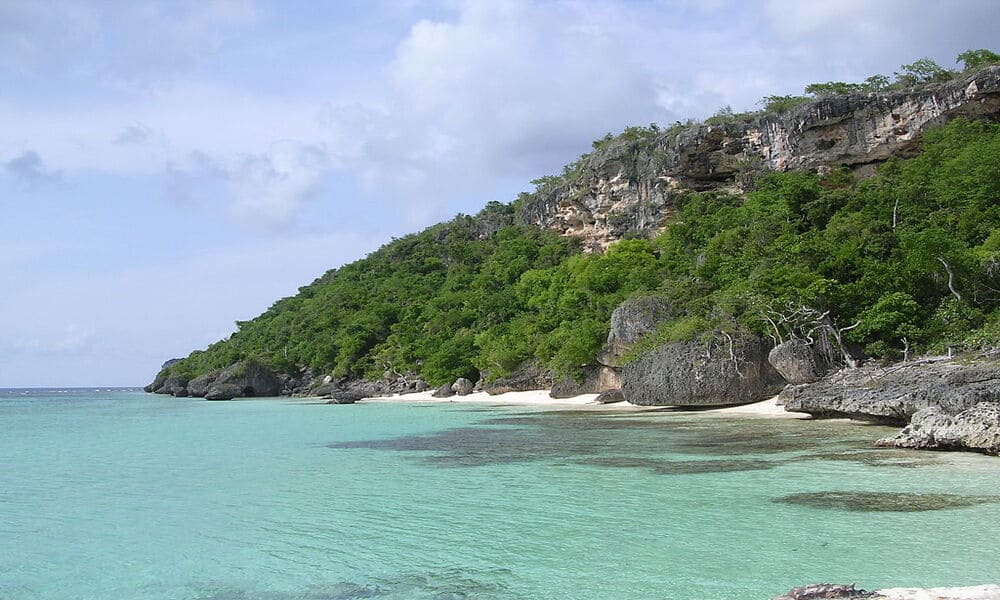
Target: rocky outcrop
column 245, row 379
column 632, row 320
column 799, row 362
column 444, row 391
column 596, row 379
column 175, row 385
column 610, row 397
column 462, row 386
column 817, row 591
column 161, row 377
column 831, row 590
column 719, row 369
column 892, row 395
column 529, row 376
column 976, row 429
column 629, row 186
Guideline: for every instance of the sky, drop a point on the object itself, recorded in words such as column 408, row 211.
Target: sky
column 169, row 168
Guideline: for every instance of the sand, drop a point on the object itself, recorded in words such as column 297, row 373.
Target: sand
column 764, row 409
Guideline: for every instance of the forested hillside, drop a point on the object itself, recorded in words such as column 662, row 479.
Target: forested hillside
column 909, row 258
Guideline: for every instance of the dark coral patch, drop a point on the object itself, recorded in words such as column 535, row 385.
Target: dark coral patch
column 884, row 501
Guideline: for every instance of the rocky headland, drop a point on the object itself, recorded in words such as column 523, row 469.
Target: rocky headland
column 630, row 186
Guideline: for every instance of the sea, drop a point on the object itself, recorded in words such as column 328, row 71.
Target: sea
column 113, row 494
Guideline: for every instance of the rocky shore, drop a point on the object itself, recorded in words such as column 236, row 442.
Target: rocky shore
column 830, row 590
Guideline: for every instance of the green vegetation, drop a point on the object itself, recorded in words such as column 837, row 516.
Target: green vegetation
column 974, row 59
column 912, row 256
column 920, row 72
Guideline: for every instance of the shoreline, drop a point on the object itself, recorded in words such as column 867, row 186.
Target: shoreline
column 768, row 409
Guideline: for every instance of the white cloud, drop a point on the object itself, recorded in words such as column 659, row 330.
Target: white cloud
column 270, row 189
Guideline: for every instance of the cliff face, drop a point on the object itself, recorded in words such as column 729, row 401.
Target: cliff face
column 629, row 186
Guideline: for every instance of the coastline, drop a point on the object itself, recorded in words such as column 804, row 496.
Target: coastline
column 768, row 409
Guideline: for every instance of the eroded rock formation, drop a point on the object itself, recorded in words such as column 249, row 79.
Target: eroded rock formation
column 629, row 186
column 718, row 369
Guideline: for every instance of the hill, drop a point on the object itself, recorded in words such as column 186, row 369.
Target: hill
column 868, row 219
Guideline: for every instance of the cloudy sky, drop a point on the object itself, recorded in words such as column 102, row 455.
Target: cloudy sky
column 167, row 168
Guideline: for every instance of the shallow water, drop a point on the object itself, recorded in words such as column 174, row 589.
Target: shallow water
column 132, row 496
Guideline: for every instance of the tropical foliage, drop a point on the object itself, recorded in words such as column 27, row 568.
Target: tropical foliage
column 912, row 257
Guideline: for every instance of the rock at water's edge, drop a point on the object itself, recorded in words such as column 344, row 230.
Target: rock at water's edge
column 976, row 429
column 610, row 397
column 719, row 369
column 247, row 378
column 817, row 591
column 830, row 590
column 893, row 395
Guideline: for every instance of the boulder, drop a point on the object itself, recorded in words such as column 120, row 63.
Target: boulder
column 327, row 388
column 223, row 391
column 247, row 378
column 892, row 395
column 931, row 428
column 415, row 387
column 347, row 397
column 630, row 322
column 530, row 375
column 175, row 385
column 610, row 397
column 817, row 591
column 596, row 379
column 444, row 391
column 198, row 386
column 799, row 362
column 161, row 376
column 718, row 369
column 462, row 386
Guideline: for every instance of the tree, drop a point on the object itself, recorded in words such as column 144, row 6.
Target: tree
column 780, row 104
column 922, row 71
column 974, row 59
column 833, row 88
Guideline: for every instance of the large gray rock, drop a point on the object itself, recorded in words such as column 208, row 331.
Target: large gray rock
column 224, row 391
column 247, row 378
column 462, row 386
column 529, row 376
column 799, row 362
column 931, row 428
column 198, row 386
column 161, row 376
column 444, row 391
column 817, row 591
column 831, row 590
column 715, row 370
column 893, row 395
column 175, row 385
column 610, row 397
column 630, row 322
column 596, row 379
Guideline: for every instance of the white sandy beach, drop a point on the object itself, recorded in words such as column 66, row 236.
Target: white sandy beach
column 764, row 409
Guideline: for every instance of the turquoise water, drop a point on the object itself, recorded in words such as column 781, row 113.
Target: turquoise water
column 123, row 495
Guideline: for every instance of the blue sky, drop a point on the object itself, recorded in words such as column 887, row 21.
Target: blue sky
column 168, row 168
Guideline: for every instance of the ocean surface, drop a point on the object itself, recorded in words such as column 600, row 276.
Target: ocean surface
column 117, row 495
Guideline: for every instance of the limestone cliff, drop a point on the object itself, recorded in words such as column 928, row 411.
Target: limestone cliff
column 628, row 186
